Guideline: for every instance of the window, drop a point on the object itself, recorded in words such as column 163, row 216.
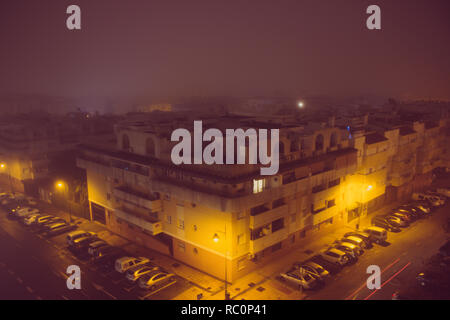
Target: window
column 180, row 224
column 277, row 225
column 258, row 185
column 331, row 203
column 169, row 219
column 125, row 142
column 181, row 246
column 241, row 239
column 241, row 264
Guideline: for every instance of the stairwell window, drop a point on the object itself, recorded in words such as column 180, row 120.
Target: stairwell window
column 259, row 185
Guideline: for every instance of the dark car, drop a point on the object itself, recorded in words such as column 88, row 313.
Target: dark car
column 82, row 244
column 58, row 228
column 107, row 255
column 39, row 226
column 385, row 224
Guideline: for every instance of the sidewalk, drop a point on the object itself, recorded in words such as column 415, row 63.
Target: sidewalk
column 257, row 285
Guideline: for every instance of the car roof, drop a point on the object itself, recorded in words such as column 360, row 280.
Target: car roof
column 378, row 229
column 98, row 243
column 337, row 251
column 123, row 259
column 354, row 238
column 74, row 233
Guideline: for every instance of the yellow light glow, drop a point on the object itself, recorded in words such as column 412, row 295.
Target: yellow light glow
column 2, row 165
column 59, row 185
column 369, row 188
column 216, row 238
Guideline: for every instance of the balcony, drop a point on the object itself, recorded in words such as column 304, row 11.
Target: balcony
column 324, row 215
column 267, row 241
column 265, row 217
column 137, row 198
column 152, row 226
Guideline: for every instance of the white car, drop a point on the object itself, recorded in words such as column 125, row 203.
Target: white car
column 25, row 212
column 29, row 220
column 335, row 256
column 78, row 234
column 301, row 279
column 125, row 263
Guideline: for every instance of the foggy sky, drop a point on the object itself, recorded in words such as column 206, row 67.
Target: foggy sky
column 245, row 47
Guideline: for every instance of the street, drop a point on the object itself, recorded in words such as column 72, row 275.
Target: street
column 400, row 261
column 32, row 267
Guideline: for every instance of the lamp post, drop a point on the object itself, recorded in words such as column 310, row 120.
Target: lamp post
column 60, row 185
column 216, row 239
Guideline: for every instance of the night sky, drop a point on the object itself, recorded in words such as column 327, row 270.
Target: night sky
column 242, row 48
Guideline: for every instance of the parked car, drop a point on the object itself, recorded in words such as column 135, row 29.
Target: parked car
column 301, row 280
column 155, row 279
column 383, row 223
column 313, row 268
column 28, row 220
column 432, row 199
column 42, row 225
column 443, row 191
column 396, row 221
column 95, row 246
column 438, row 195
column 424, row 206
column 133, row 274
column 125, row 263
column 378, row 235
column 82, row 243
column 335, row 256
column 106, row 256
column 406, row 216
column 349, row 248
column 360, row 243
column 362, row 235
column 78, row 234
column 58, row 228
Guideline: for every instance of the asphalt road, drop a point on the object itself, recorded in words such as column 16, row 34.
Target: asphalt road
column 33, row 267
column 400, row 261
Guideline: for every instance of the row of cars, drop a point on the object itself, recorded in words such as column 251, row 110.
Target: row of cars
column 23, row 209
column 311, row 273
column 85, row 244
column 135, row 269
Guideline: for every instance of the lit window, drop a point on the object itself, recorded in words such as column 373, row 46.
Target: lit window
column 258, row 185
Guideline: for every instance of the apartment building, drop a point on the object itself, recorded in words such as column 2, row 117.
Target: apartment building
column 29, row 143
column 209, row 215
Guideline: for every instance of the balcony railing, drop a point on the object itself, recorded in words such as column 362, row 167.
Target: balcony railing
column 137, row 198
column 267, row 241
column 152, row 226
column 268, row 216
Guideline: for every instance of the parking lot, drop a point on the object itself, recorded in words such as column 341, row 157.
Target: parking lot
column 35, row 264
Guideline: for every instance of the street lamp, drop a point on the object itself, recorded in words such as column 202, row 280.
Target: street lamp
column 4, row 166
column 60, row 185
column 216, row 239
column 300, row 104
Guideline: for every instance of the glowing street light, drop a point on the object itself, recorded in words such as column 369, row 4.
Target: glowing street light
column 60, row 185
column 216, row 238
column 369, row 187
column 2, row 165
column 300, row 104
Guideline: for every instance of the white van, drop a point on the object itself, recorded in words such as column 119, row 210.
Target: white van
column 377, row 234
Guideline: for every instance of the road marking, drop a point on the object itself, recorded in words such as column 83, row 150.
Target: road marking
column 29, row 289
column 395, row 274
column 65, row 298
column 19, row 280
column 11, row 272
column 365, row 283
column 101, row 289
column 156, row 291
